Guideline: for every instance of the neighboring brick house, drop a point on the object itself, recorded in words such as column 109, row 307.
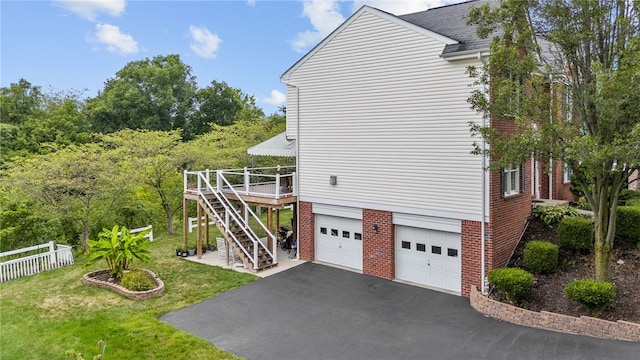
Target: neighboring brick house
column 387, row 184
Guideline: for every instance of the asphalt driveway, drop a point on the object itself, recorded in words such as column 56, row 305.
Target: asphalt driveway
column 319, row 312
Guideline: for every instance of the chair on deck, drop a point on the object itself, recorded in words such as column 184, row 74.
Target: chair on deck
column 222, row 251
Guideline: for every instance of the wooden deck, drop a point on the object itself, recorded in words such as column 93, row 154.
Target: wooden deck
column 262, row 195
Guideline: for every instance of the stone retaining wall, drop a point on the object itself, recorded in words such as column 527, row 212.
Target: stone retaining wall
column 584, row 325
column 89, row 279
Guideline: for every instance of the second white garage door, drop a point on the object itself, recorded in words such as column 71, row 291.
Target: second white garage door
column 339, row 241
column 428, row 257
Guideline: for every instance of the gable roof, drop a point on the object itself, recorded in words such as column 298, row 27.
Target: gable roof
column 385, row 15
column 450, row 21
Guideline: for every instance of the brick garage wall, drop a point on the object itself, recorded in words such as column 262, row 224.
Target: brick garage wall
column 378, row 248
column 471, row 243
column 584, row 325
column 306, row 233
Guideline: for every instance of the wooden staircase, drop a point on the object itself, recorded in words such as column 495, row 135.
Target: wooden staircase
column 236, row 236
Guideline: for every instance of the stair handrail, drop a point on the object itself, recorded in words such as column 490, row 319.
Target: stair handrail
column 220, row 178
column 225, row 222
column 232, row 213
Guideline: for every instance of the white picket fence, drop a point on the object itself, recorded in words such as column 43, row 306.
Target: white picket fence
column 149, row 235
column 34, row 264
column 193, row 223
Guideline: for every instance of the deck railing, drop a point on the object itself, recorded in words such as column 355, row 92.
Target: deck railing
column 203, row 185
column 269, row 182
column 48, row 259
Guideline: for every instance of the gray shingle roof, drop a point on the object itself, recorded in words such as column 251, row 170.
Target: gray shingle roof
column 450, row 21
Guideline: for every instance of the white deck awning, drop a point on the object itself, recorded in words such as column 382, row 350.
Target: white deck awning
column 278, row 145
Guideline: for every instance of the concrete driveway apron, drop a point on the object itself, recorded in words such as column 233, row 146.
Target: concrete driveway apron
column 314, row 311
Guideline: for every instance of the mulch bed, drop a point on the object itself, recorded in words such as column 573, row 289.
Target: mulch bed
column 101, row 278
column 548, row 292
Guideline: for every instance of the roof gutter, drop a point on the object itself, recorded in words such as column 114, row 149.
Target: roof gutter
column 466, row 55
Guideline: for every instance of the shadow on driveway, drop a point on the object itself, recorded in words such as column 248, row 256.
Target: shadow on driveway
column 314, row 311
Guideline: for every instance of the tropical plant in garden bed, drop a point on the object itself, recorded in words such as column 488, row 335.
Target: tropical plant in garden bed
column 119, row 248
column 76, row 317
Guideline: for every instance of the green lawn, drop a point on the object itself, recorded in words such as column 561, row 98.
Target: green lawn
column 43, row 316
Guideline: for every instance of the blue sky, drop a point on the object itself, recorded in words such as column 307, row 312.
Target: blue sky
column 78, row 45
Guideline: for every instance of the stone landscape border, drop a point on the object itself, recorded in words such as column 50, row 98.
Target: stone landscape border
column 89, row 279
column 583, row 325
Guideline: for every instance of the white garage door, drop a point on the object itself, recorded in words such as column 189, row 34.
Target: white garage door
column 339, row 241
column 428, row 257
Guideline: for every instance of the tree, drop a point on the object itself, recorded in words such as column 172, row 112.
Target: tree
column 157, row 159
column 591, row 50
column 38, row 123
column 223, row 105
column 225, row 147
column 79, row 185
column 154, row 94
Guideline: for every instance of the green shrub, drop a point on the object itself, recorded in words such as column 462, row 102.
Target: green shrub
column 119, row 248
column 596, row 295
column 552, row 215
column 514, row 282
column 583, row 203
column 137, row 281
column 540, row 256
column 628, row 197
column 628, row 223
column 576, row 234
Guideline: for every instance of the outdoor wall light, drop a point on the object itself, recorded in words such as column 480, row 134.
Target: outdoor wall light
column 374, row 228
column 333, row 180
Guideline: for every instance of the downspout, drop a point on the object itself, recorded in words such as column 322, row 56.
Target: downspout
column 551, row 157
column 484, row 289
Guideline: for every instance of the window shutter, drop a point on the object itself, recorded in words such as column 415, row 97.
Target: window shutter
column 503, row 186
column 522, row 178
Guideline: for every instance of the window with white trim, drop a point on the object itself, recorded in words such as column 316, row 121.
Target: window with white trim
column 567, row 103
column 511, row 180
column 566, row 173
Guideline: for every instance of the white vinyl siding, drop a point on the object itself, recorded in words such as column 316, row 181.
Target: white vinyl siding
column 292, row 113
column 384, row 113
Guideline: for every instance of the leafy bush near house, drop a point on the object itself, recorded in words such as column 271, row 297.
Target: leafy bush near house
column 514, row 282
column 119, row 248
column 576, row 234
column 596, row 295
column 552, row 215
column 628, row 197
column 137, row 281
column 628, row 223
column 540, row 256
column 583, row 203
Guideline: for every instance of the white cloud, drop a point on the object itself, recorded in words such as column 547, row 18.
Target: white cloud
column 114, row 40
column 251, row 2
column 91, row 9
column 204, row 44
column 324, row 15
column 277, row 98
column 400, row 7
